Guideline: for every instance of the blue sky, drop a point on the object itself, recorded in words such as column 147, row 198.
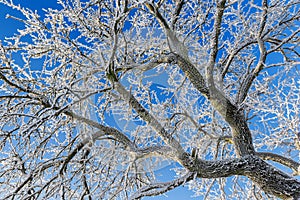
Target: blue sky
column 10, row 26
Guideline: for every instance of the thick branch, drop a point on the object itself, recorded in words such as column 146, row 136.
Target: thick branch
column 163, row 151
column 157, row 14
column 149, row 65
column 175, row 45
column 190, row 71
column 267, row 177
column 241, row 133
column 295, row 166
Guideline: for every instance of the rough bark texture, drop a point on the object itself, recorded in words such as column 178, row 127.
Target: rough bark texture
column 240, row 130
column 271, row 180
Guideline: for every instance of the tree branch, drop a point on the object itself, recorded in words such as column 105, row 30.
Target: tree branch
column 214, row 44
column 230, row 58
column 160, row 188
column 146, row 116
column 175, row 45
column 241, row 133
column 265, row 175
column 107, row 130
column 163, row 151
column 93, row 137
column 295, row 166
column 179, row 5
column 190, row 71
column 246, row 84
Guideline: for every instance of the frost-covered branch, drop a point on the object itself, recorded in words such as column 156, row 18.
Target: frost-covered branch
column 107, row 130
column 160, row 188
column 246, row 84
column 280, row 159
column 214, row 45
column 145, row 115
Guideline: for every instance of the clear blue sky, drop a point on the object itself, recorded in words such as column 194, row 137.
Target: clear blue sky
column 9, row 26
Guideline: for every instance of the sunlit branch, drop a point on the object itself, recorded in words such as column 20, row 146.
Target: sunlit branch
column 279, row 44
column 276, row 65
column 246, row 84
column 19, row 19
column 246, row 166
column 264, row 16
column 191, row 72
column 157, row 151
column 280, row 159
column 160, row 188
column 175, row 45
column 157, row 14
column 231, row 57
column 147, row 66
column 214, row 45
column 107, row 130
column 145, row 115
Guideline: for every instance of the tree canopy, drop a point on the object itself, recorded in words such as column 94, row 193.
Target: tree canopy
column 97, row 95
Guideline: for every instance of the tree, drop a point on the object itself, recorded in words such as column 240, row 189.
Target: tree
column 97, row 95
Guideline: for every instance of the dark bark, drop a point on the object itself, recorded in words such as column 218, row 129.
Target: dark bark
column 270, row 179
